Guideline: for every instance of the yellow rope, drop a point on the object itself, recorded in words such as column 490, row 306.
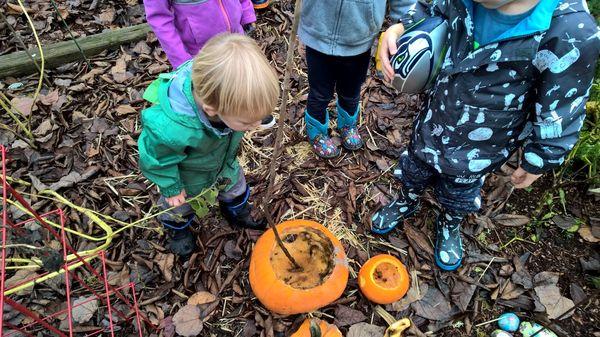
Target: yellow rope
column 42, row 63
column 96, row 218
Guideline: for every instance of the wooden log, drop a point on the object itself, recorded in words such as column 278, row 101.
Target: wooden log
column 56, row 54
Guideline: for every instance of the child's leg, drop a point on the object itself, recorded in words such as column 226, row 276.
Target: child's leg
column 181, row 240
column 235, row 207
column 458, row 197
column 321, row 82
column 415, row 176
column 351, row 73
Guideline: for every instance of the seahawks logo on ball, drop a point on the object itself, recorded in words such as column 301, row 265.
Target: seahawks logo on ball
column 411, row 49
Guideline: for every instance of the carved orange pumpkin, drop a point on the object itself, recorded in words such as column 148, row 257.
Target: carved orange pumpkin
column 319, row 329
column 383, row 279
column 321, row 280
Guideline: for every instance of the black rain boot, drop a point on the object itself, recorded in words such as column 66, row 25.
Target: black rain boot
column 389, row 216
column 448, row 242
column 181, row 241
column 237, row 212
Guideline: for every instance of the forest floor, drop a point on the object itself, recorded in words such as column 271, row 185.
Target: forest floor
column 534, row 251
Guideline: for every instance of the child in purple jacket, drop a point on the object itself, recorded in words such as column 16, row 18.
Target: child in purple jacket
column 184, row 26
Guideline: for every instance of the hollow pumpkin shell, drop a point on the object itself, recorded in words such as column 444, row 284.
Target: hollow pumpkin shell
column 278, row 296
column 327, row 330
column 383, row 279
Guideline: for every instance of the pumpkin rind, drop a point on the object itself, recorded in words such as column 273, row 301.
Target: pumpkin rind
column 373, row 291
column 283, row 299
column 327, row 330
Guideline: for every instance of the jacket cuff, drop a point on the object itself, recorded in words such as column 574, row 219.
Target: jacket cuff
column 248, row 16
column 172, row 190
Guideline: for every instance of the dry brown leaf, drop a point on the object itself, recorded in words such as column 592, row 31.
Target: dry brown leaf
column 586, row 233
column 22, row 105
column 84, row 309
column 165, row 264
column 20, row 277
column 187, row 321
column 201, row 297
column 547, row 290
column 511, row 220
column 125, row 109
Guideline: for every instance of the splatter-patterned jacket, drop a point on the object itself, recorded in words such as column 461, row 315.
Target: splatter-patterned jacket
column 528, row 89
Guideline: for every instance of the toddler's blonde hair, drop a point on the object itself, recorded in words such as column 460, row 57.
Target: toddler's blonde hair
column 232, row 75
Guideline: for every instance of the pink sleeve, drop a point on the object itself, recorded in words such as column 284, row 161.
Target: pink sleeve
column 160, row 17
column 248, row 15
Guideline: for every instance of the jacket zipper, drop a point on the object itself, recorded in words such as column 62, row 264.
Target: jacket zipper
column 230, row 136
column 227, row 21
column 337, row 23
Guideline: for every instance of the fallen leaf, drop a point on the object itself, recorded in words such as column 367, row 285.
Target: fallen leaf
column 107, row 16
column 365, row 330
column 434, row 306
column 125, row 109
column 415, row 293
column 168, row 329
column 462, row 293
column 586, row 233
column 43, row 128
column 232, row 251
column 165, row 264
column 566, row 222
column 511, row 220
column 549, row 294
column 67, row 181
column 50, row 98
column 187, row 321
column 345, row 316
column 201, row 297
column 84, row 309
column 22, row 105
column 418, row 241
column 20, row 277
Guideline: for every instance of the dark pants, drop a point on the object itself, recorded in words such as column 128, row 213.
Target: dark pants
column 345, row 74
column 461, row 195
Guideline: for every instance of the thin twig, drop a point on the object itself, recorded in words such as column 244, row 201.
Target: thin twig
column 71, row 34
column 283, row 113
column 23, row 45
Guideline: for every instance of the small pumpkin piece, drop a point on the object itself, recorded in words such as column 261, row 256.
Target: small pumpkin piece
column 383, row 279
column 314, row 327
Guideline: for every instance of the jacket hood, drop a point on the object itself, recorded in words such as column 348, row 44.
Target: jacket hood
column 541, row 17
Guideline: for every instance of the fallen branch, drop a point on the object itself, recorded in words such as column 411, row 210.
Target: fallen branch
column 283, row 114
column 18, row 63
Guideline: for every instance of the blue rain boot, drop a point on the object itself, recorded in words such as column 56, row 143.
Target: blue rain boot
column 180, row 239
column 318, row 136
column 347, row 126
column 389, row 216
column 237, row 212
column 448, row 242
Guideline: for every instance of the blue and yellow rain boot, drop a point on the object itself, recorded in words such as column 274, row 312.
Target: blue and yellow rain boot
column 347, row 126
column 448, row 242
column 318, row 136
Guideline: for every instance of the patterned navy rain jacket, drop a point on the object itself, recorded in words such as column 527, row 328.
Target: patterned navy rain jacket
column 526, row 89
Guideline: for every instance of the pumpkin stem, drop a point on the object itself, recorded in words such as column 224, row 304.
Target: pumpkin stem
column 315, row 329
column 283, row 114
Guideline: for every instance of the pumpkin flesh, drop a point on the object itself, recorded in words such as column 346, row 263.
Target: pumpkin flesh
column 312, row 250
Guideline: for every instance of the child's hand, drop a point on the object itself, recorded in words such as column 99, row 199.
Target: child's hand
column 177, row 200
column 523, row 179
column 388, row 48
